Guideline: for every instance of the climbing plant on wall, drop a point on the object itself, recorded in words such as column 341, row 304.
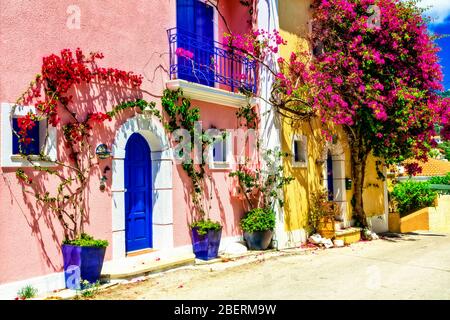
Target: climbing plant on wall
column 182, row 115
column 51, row 93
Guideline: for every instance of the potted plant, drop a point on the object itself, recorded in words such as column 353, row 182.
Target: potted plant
column 258, row 225
column 322, row 214
column 206, row 236
column 83, row 260
column 262, row 190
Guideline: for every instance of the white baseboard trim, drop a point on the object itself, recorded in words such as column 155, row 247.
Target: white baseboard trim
column 289, row 239
column 43, row 284
column 55, row 281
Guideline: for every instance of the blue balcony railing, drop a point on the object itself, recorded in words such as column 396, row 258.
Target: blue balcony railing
column 204, row 61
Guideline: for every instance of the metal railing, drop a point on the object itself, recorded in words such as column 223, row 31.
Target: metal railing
column 205, row 61
column 440, row 188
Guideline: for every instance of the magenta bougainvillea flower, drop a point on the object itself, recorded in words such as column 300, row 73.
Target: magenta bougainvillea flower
column 181, row 52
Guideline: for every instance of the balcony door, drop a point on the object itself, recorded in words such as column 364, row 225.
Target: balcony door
column 195, row 33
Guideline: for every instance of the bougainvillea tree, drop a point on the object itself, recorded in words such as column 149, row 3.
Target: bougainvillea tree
column 374, row 71
column 445, row 120
column 51, row 93
column 380, row 81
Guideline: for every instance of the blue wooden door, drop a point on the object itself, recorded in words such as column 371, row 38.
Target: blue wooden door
column 330, row 177
column 138, row 196
column 195, row 29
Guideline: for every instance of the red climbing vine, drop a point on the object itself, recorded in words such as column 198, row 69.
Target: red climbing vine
column 51, row 95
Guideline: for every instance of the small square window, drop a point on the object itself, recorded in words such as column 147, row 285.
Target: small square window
column 299, row 151
column 31, row 148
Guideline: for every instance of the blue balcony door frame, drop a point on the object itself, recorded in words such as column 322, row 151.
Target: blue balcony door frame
column 195, row 18
column 138, row 194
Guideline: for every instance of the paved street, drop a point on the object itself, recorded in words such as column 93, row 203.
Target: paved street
column 410, row 267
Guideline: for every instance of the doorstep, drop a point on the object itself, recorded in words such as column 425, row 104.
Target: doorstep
column 349, row 235
column 141, row 265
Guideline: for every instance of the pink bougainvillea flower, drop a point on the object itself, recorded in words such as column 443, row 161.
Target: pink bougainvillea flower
column 181, row 52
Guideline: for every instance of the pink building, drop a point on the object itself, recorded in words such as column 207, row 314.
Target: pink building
column 134, row 35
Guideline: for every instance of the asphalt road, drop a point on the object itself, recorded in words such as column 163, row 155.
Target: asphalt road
column 409, row 267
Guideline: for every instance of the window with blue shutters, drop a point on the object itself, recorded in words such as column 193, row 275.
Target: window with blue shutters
column 30, row 148
column 43, row 138
column 195, row 35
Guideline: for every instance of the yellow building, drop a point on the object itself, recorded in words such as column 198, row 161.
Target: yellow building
column 315, row 163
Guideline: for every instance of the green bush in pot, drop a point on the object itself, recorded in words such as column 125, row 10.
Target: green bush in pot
column 258, row 219
column 261, row 188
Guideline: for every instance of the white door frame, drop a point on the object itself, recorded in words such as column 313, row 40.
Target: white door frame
column 162, row 184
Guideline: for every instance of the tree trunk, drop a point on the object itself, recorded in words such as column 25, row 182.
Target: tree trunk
column 359, row 160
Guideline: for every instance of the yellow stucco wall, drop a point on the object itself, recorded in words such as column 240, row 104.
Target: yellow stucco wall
column 436, row 219
column 294, row 16
column 440, row 215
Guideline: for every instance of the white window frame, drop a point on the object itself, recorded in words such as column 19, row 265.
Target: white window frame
column 304, row 149
column 8, row 159
column 220, row 165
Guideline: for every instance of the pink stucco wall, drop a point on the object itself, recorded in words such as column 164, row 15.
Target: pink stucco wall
column 132, row 36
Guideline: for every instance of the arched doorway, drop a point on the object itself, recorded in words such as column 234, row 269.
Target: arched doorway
column 159, row 156
column 138, row 194
column 334, row 178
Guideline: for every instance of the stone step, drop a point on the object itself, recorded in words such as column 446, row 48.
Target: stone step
column 349, row 235
column 144, row 264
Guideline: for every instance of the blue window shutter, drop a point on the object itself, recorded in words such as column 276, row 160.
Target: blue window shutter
column 185, row 16
column 296, row 151
column 33, row 146
column 204, row 30
column 204, row 21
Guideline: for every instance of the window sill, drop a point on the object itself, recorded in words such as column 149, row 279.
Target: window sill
column 19, row 161
column 220, row 166
column 301, row 165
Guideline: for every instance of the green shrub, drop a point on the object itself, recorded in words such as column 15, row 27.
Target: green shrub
column 87, row 290
column 27, row 292
column 410, row 196
column 203, row 226
column 258, row 220
column 86, row 240
column 440, row 180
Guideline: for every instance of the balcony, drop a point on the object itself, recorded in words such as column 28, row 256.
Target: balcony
column 209, row 71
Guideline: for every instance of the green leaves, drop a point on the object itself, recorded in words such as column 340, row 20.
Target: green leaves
column 86, row 240
column 27, row 292
column 440, row 180
column 203, row 226
column 258, row 219
column 410, row 196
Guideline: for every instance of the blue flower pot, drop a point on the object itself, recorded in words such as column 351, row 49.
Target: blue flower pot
column 206, row 246
column 258, row 240
column 82, row 263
